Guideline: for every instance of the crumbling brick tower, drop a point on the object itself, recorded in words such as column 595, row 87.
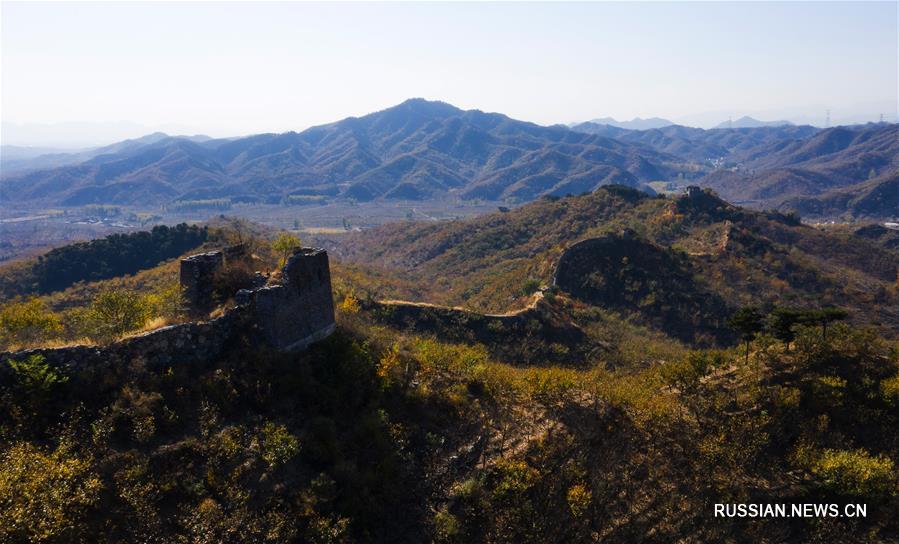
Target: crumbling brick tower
column 197, row 273
column 300, row 311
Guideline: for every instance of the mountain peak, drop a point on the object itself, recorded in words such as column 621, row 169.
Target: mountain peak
column 750, row 122
column 426, row 107
column 636, row 123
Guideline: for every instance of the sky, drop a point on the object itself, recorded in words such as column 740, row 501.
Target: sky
column 90, row 70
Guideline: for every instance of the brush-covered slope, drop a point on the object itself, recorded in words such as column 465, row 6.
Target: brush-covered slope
column 837, row 168
column 696, row 144
column 876, row 198
column 416, row 150
column 730, row 254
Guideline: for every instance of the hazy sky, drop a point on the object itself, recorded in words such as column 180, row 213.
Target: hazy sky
column 238, row 68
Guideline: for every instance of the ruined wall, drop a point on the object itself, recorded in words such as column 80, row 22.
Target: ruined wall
column 197, row 272
column 300, row 311
column 286, row 317
column 177, row 344
column 524, row 336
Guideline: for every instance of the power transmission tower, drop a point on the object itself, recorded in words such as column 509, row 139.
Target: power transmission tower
column 827, row 120
column 881, row 118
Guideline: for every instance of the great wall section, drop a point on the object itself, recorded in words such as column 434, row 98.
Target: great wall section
column 287, row 316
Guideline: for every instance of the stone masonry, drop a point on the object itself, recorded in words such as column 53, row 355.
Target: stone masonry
column 286, row 318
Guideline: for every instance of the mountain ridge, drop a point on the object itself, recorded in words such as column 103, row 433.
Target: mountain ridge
column 418, row 149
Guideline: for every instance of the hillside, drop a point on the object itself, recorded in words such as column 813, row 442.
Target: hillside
column 416, row 150
column 875, row 198
column 793, row 174
column 696, row 144
column 398, row 433
column 725, row 253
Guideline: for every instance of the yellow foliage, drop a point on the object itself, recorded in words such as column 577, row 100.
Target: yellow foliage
column 579, row 498
column 389, row 365
column 855, row 472
column 44, row 496
column 889, row 388
column 284, row 246
column 350, row 304
column 27, row 322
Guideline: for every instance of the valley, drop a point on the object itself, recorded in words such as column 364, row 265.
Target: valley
column 423, row 159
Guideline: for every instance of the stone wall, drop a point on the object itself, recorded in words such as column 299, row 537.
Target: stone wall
column 197, row 272
column 524, row 336
column 286, row 317
column 198, row 275
column 300, row 311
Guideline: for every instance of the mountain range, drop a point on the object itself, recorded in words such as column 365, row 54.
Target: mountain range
column 749, row 122
column 836, row 171
column 416, row 150
column 424, row 150
column 636, row 123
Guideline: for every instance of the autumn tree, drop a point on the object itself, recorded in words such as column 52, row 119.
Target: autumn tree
column 115, row 312
column 284, row 246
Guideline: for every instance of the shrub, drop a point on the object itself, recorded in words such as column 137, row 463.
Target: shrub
column 890, row 390
column 284, row 246
column 350, row 304
column 45, row 497
column 855, row 473
column 391, row 369
column 27, row 323
column 530, row 286
column 35, row 376
column 168, row 301
column 579, row 498
column 278, row 445
column 115, row 312
column 446, row 527
column 514, row 478
column 686, row 373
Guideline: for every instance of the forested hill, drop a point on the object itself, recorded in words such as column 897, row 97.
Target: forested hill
column 103, row 258
column 739, row 256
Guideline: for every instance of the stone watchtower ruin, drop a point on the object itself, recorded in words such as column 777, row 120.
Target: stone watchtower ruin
column 300, row 310
column 198, row 274
column 287, row 316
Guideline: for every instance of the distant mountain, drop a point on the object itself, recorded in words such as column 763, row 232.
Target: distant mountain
column 416, row 150
column 835, row 172
column 17, row 159
column 636, row 123
column 697, row 144
column 80, row 135
column 876, row 198
column 749, row 122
